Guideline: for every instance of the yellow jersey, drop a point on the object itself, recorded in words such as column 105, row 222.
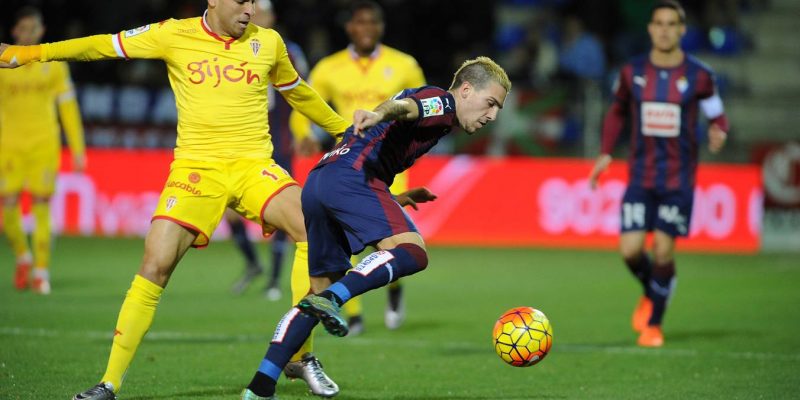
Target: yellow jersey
column 28, row 116
column 220, row 83
column 349, row 82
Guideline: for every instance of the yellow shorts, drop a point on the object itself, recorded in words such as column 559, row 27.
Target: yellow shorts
column 198, row 192
column 34, row 172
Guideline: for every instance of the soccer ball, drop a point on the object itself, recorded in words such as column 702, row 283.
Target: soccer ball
column 522, row 336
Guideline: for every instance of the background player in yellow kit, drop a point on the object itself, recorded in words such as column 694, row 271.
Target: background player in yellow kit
column 30, row 148
column 362, row 76
column 219, row 67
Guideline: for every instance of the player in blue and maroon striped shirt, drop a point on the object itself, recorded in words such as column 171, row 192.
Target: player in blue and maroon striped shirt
column 660, row 96
column 348, row 206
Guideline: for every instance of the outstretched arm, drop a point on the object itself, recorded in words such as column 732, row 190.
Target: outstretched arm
column 90, row 48
column 390, row 110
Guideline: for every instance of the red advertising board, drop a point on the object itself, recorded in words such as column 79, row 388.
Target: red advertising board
column 482, row 201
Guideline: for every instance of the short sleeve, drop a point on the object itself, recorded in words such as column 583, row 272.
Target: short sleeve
column 436, row 106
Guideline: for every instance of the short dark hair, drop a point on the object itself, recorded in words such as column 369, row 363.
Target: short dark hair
column 671, row 4
column 366, row 5
column 27, row 11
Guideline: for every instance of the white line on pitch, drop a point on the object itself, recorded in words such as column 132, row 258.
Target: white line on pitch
column 400, row 342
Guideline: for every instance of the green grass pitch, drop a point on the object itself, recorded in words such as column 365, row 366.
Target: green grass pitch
column 733, row 329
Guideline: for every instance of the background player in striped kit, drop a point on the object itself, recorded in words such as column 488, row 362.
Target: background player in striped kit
column 659, row 94
column 363, row 75
column 30, row 146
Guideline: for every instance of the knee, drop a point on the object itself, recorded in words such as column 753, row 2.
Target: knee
column 155, row 270
column 662, row 257
column 417, row 253
column 631, row 254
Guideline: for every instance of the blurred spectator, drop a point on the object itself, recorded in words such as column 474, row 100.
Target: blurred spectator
column 581, row 53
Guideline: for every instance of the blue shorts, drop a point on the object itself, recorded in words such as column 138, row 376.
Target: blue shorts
column 648, row 209
column 345, row 211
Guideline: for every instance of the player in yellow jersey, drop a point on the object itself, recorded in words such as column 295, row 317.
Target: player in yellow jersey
column 30, row 147
column 219, row 67
column 362, row 76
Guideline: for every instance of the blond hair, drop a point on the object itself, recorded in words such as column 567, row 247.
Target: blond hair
column 479, row 71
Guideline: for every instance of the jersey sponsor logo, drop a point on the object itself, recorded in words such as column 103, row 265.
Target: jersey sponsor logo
column 184, row 186
column 373, row 261
column 336, row 152
column 216, row 72
column 661, row 119
column 136, row 31
column 283, row 325
column 432, row 106
column 194, row 177
column 682, row 84
column 255, row 45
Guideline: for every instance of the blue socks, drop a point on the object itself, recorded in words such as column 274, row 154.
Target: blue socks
column 641, row 267
column 292, row 331
column 659, row 290
column 378, row 269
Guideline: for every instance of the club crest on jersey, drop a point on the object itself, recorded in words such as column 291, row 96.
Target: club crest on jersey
column 432, row 106
column 136, row 31
column 194, row 177
column 171, row 201
column 388, row 72
column 255, row 45
column 682, row 84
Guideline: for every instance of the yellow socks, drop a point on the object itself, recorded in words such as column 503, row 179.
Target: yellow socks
column 301, row 286
column 134, row 320
column 12, row 225
column 41, row 234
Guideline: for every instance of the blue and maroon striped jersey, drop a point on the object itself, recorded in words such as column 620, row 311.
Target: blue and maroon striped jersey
column 662, row 106
column 279, row 111
column 392, row 147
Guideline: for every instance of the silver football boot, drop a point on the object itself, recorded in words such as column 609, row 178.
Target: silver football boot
column 101, row 391
column 310, row 370
column 248, row 395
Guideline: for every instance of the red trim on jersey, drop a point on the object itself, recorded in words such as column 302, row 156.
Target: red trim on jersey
column 288, row 84
column 266, row 228
column 673, row 149
column 121, row 46
column 649, row 167
column 214, row 35
column 187, row 226
column 359, row 163
column 392, row 210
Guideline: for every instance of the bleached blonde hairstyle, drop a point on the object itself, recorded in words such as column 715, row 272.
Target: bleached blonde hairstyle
column 479, row 72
